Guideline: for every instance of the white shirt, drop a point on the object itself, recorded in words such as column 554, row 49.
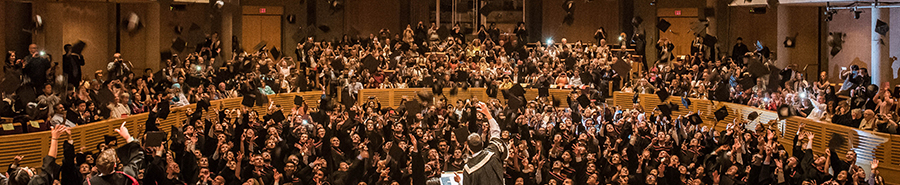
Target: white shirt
column 869, row 125
column 818, row 112
column 117, row 110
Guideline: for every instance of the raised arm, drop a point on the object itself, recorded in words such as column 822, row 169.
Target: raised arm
column 131, row 154
column 492, row 123
column 54, row 137
column 809, row 143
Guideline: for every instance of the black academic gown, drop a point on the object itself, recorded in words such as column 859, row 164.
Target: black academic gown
column 132, row 156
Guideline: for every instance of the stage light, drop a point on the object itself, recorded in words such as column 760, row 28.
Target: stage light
column 550, row 41
column 803, row 95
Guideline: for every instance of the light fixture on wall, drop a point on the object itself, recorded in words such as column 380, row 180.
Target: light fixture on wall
column 38, row 22
column 829, row 15
column 132, row 22
column 336, row 5
column 856, row 13
column 219, row 4
column 829, row 12
column 291, row 18
column 652, row 3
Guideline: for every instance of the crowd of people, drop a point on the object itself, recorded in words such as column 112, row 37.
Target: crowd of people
column 751, row 78
column 338, row 141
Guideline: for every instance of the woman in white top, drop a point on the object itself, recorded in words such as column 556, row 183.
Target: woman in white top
column 284, row 68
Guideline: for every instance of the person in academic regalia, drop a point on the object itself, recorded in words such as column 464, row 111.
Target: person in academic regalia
column 72, row 63
column 486, row 165
column 130, row 154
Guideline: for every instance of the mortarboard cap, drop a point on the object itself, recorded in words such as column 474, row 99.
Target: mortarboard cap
column 784, row 111
column 462, row 134
column 178, row 44
column 275, row 53
column 756, row 67
column 663, row 94
column 710, row 40
column 721, row 113
column 621, row 67
column 248, row 101
column 298, row 100
column 674, row 106
column 584, row 100
column 722, row 93
column 664, row 109
column 107, row 139
column 517, row 90
column 78, row 47
column 371, row 63
column 663, row 25
column 177, row 135
column 514, row 103
column 881, row 27
column 635, row 99
column 753, row 115
column 695, row 119
column 203, row 104
column 277, row 116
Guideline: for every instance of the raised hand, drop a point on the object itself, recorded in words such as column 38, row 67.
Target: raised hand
column 56, row 131
column 18, row 158
column 123, row 131
column 277, row 175
column 874, row 164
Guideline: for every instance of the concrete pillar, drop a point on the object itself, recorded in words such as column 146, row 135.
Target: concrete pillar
column 437, row 13
column 880, row 65
column 783, row 54
column 225, row 35
column 153, row 28
column 3, row 31
column 711, row 17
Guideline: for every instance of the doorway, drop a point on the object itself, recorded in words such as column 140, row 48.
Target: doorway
column 261, row 24
column 679, row 33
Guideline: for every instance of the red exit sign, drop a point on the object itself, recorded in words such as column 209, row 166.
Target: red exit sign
column 263, row 10
column 677, row 12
